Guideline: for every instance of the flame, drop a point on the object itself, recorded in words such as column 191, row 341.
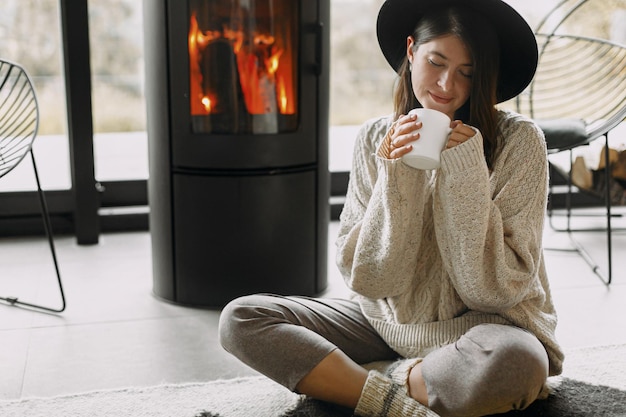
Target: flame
column 282, row 96
column 264, row 71
column 207, row 104
column 195, row 39
column 273, row 62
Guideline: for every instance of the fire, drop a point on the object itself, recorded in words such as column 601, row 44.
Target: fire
column 207, row 104
column 264, row 71
column 273, row 62
column 282, row 97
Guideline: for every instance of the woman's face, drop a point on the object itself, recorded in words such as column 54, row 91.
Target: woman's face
column 441, row 73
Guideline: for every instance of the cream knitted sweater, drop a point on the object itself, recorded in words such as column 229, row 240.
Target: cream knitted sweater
column 429, row 254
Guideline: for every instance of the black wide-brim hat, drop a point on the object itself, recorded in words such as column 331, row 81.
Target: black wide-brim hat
column 397, row 19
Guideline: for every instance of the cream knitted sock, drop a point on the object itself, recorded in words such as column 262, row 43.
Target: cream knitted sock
column 399, row 371
column 382, row 397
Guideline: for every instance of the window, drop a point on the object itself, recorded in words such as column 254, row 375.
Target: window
column 119, row 112
column 33, row 40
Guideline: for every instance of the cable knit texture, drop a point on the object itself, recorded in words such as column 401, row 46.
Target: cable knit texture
column 430, row 254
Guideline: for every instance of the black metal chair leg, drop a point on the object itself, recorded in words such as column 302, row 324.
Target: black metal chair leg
column 576, row 246
column 47, row 225
column 607, row 179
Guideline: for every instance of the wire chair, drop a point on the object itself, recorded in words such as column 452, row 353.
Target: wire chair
column 577, row 96
column 19, row 122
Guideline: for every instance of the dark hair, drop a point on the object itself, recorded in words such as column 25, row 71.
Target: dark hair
column 482, row 42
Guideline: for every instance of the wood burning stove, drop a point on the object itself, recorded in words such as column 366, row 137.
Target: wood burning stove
column 237, row 97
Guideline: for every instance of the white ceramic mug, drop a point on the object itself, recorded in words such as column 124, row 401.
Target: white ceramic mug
column 426, row 152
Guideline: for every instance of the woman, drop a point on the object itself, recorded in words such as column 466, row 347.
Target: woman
column 446, row 265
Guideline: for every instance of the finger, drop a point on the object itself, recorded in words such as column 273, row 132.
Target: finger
column 398, row 152
column 404, row 140
column 451, row 143
column 408, row 120
column 406, row 133
column 462, row 128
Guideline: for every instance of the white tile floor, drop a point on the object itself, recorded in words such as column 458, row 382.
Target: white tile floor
column 114, row 333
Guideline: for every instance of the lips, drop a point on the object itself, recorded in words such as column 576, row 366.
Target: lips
column 440, row 99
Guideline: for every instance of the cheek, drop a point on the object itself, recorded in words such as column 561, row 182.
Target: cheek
column 415, row 81
column 418, row 87
column 465, row 87
column 421, row 78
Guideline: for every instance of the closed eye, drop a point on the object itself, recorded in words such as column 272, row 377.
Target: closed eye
column 431, row 62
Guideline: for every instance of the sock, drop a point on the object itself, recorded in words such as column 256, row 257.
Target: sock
column 399, row 371
column 382, row 397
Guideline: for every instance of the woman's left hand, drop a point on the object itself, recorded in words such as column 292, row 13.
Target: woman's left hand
column 460, row 133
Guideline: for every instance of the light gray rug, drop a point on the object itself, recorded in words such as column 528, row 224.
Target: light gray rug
column 599, row 372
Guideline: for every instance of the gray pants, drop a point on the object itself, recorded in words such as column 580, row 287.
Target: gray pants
column 491, row 369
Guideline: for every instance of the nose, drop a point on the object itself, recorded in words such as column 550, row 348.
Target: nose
column 446, row 80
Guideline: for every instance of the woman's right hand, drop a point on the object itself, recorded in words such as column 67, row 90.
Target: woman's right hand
column 403, row 132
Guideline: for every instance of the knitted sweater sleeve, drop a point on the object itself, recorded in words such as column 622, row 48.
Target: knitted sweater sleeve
column 381, row 222
column 489, row 227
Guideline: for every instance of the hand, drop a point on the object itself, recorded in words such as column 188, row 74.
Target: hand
column 404, row 131
column 460, row 133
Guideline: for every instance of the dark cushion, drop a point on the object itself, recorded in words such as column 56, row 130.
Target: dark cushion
column 562, row 134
